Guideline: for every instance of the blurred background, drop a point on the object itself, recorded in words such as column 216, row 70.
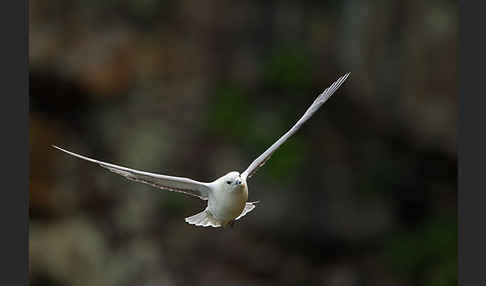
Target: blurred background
column 364, row 194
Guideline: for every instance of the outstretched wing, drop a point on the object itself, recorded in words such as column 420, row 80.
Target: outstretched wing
column 170, row 183
column 323, row 97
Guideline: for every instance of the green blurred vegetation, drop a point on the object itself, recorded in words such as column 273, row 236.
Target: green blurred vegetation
column 427, row 254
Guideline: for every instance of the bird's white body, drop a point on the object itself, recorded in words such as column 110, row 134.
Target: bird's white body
column 226, row 202
column 227, row 196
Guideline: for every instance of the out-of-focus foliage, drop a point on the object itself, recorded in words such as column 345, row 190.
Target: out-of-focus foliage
column 363, row 194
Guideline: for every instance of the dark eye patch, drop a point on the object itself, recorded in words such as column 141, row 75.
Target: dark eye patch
column 228, row 182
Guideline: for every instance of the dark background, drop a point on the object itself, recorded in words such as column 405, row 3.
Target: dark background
column 364, row 194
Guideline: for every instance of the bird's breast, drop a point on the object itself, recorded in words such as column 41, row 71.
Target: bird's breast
column 227, row 205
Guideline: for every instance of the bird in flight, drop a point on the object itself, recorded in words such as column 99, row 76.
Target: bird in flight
column 227, row 196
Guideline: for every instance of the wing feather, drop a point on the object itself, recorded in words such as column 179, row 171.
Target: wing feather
column 318, row 102
column 170, row 183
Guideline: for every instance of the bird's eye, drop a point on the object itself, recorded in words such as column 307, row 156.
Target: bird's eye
column 228, row 182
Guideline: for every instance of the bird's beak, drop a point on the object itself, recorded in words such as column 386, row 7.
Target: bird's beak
column 238, row 182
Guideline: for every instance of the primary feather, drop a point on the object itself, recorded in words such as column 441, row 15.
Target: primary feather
column 318, row 102
column 170, row 183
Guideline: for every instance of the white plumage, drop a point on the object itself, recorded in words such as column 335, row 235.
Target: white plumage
column 227, row 196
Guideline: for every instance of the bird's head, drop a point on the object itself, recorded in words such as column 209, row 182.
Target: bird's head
column 232, row 181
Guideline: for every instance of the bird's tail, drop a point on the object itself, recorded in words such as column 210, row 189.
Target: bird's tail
column 204, row 218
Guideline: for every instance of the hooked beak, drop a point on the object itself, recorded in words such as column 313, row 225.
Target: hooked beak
column 238, row 182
